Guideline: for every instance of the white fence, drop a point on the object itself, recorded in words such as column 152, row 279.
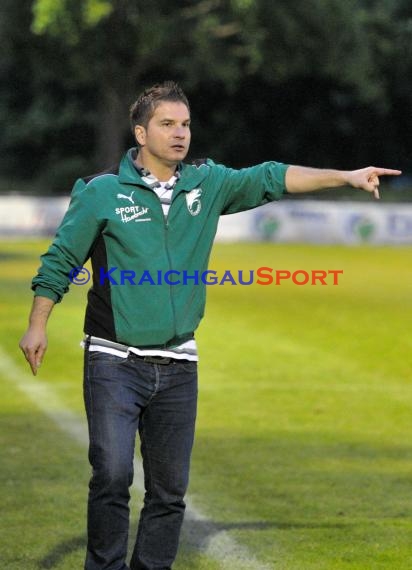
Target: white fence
column 24, row 216
column 288, row 221
column 314, row 221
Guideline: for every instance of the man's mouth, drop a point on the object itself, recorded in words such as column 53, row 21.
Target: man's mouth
column 178, row 147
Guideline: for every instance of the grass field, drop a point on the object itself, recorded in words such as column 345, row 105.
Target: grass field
column 303, row 454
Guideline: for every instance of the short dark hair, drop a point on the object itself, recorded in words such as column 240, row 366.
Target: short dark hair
column 144, row 107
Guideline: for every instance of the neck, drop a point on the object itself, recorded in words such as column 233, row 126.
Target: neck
column 162, row 171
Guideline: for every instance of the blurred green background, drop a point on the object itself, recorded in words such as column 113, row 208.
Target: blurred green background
column 314, row 82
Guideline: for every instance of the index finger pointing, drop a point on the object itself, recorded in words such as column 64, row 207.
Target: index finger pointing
column 387, row 171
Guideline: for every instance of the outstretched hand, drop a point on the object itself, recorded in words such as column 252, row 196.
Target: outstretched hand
column 368, row 178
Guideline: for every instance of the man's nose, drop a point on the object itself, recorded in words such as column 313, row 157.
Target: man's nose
column 180, row 132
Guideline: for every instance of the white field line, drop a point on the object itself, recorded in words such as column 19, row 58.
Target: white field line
column 199, row 532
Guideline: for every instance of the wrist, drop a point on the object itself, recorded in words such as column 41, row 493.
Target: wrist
column 344, row 178
column 37, row 325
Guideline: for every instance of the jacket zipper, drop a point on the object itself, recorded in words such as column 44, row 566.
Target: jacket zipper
column 166, row 225
column 166, row 239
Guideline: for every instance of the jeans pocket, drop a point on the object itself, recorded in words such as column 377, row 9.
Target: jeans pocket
column 187, row 366
column 96, row 356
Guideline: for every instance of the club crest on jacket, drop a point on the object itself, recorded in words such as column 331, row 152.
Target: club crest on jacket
column 194, row 205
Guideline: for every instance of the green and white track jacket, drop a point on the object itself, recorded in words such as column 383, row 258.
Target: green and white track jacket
column 116, row 220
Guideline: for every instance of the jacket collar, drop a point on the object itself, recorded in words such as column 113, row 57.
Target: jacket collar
column 190, row 175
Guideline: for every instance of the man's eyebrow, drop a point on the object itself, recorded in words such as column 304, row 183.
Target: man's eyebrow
column 166, row 120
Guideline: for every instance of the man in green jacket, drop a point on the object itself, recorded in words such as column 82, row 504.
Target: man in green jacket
column 148, row 226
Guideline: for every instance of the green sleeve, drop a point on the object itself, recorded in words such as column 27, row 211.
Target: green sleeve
column 71, row 245
column 251, row 187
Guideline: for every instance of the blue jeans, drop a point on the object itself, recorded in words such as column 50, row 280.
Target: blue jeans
column 123, row 396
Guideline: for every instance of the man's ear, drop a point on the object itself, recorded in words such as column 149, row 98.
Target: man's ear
column 140, row 134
